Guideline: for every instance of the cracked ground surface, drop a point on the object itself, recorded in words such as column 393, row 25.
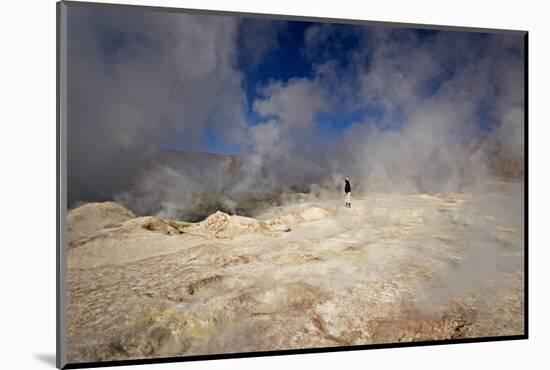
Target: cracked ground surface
column 315, row 274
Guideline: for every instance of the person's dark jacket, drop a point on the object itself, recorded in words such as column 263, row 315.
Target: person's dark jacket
column 347, row 188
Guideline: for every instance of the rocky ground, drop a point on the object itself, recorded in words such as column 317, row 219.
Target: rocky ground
column 313, row 274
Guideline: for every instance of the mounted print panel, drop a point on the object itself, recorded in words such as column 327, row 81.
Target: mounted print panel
column 239, row 184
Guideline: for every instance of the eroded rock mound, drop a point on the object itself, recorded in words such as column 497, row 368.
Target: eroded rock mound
column 169, row 227
column 222, row 225
column 93, row 217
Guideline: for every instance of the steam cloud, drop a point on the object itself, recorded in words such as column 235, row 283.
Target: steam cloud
column 445, row 110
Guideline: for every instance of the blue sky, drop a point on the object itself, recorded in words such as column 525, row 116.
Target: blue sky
column 291, row 58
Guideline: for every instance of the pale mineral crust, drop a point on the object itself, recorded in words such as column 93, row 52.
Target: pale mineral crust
column 393, row 268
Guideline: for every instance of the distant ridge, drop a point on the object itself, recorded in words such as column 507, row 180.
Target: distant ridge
column 177, row 158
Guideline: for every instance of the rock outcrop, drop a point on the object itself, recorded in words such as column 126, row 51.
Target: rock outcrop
column 93, row 217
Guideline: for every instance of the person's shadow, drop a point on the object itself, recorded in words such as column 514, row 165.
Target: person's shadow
column 47, row 358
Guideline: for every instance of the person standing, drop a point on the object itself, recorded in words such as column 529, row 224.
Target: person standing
column 347, row 190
